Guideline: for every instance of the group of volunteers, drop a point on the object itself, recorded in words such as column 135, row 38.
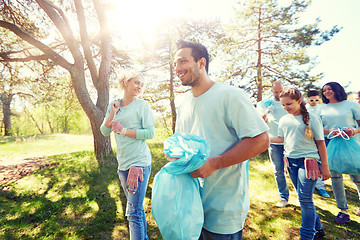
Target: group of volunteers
column 294, row 135
column 299, row 136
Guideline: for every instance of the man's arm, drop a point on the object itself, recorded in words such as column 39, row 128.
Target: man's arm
column 244, row 150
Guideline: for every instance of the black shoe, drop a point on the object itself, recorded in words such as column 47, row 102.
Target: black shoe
column 319, row 234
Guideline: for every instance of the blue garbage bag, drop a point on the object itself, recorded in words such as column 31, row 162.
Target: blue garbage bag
column 176, row 201
column 268, row 103
column 344, row 155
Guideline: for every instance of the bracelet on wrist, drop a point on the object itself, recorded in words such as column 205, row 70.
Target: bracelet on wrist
column 123, row 131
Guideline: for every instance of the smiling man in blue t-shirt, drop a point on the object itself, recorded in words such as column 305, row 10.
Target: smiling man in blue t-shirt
column 225, row 117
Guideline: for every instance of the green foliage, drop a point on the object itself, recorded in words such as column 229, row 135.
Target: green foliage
column 55, row 110
column 75, row 197
column 267, row 43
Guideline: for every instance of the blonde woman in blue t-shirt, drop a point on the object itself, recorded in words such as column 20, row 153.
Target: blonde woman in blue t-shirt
column 132, row 121
column 305, row 152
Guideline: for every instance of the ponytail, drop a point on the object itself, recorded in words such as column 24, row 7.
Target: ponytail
column 306, row 119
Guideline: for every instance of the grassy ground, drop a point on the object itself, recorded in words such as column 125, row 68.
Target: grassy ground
column 78, row 198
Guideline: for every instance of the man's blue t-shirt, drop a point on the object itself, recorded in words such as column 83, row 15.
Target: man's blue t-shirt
column 223, row 115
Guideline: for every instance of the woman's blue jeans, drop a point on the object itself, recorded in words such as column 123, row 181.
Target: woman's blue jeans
column 310, row 221
column 134, row 208
column 338, row 186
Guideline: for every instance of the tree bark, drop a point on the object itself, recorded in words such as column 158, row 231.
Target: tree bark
column 94, row 111
column 172, row 98
column 259, row 63
column 102, row 144
column 6, row 101
column 32, row 118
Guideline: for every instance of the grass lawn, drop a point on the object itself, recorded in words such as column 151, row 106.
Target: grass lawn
column 79, row 198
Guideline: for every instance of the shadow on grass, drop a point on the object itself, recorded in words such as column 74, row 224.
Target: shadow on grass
column 11, row 139
column 349, row 231
column 72, row 199
column 262, row 222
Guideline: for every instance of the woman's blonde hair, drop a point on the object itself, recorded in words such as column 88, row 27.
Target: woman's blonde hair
column 126, row 77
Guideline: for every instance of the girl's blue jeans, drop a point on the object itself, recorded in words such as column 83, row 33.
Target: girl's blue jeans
column 338, row 186
column 310, row 221
column 134, row 208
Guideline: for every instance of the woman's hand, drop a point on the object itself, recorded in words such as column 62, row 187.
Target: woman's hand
column 350, row 132
column 118, row 128
column 115, row 106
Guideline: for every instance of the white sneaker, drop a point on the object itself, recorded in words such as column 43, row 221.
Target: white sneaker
column 282, row 203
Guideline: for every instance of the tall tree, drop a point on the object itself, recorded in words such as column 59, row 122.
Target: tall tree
column 266, row 43
column 84, row 56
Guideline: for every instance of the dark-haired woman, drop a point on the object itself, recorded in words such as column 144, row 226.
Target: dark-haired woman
column 339, row 112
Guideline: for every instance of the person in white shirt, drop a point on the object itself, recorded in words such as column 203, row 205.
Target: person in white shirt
column 313, row 106
column 271, row 111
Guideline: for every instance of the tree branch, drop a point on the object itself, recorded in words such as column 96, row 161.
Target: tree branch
column 86, row 43
column 59, row 19
column 49, row 53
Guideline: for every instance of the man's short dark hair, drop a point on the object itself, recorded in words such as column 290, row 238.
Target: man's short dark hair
column 312, row 93
column 198, row 51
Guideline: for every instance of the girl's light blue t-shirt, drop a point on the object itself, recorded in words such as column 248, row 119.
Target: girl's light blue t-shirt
column 296, row 145
column 341, row 114
column 131, row 151
column 223, row 115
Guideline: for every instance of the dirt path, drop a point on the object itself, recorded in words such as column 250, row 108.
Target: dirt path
column 14, row 170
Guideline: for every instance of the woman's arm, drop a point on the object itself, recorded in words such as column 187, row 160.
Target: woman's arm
column 145, row 133
column 114, row 108
column 324, row 169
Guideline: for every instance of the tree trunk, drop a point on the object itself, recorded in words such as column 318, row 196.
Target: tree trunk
column 172, row 98
column 50, row 126
column 6, row 100
column 82, row 59
column 102, row 144
column 65, row 126
column 259, row 64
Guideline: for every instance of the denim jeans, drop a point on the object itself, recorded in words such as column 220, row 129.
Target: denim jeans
column 339, row 190
column 134, row 207
column 206, row 235
column 338, row 186
column 320, row 184
column 276, row 154
column 310, row 221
